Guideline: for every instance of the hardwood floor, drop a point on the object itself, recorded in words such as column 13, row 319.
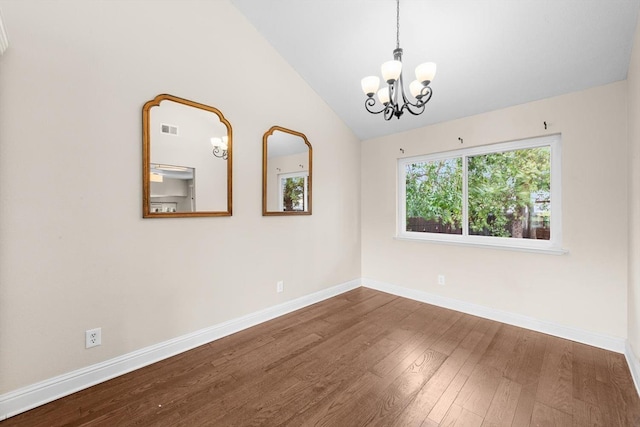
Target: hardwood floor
column 365, row 358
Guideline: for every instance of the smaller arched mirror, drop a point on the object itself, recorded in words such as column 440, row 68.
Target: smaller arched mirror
column 286, row 172
column 186, row 159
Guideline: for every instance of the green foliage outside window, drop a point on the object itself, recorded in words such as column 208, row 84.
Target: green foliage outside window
column 508, row 192
column 434, row 191
column 508, row 188
column 293, row 194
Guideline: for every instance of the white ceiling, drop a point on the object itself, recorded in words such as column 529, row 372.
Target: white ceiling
column 490, row 54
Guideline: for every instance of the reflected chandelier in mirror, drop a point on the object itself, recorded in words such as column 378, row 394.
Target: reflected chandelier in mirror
column 186, row 159
column 286, row 172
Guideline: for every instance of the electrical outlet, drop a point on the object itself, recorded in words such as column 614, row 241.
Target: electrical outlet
column 93, row 337
column 441, row 279
column 280, row 286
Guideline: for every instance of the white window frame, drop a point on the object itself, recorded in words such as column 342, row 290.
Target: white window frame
column 553, row 245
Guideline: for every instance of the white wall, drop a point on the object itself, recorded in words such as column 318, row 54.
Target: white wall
column 633, row 80
column 75, row 252
column 585, row 288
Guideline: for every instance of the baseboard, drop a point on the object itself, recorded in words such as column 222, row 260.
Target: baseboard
column 29, row 397
column 634, row 365
column 574, row 334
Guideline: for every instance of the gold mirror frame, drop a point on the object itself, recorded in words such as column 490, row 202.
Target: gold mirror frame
column 146, row 159
column 265, row 138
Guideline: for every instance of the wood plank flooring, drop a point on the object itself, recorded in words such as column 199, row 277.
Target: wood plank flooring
column 365, row 358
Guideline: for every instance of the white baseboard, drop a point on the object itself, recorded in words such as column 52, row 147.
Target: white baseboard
column 586, row 337
column 634, row 365
column 29, row 397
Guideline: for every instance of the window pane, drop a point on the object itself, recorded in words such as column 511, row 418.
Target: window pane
column 434, row 196
column 509, row 194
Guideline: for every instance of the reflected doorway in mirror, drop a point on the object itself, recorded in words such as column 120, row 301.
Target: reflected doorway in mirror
column 173, row 188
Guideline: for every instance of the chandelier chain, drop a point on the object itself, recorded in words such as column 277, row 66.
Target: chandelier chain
column 397, row 24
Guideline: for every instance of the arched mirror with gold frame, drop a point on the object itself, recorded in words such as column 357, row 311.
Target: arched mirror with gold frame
column 286, row 172
column 186, row 159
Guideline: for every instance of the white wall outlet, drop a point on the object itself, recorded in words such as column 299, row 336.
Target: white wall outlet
column 441, row 279
column 280, row 286
column 93, row 337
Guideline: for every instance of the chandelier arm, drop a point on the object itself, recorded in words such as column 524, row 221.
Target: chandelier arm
column 418, row 107
column 414, row 109
column 425, row 93
column 396, row 88
column 405, row 100
column 370, row 102
column 389, row 112
column 220, row 153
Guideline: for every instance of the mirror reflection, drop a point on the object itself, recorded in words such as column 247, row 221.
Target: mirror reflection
column 286, row 172
column 186, row 159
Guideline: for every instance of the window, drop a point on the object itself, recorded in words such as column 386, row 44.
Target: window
column 293, row 191
column 504, row 194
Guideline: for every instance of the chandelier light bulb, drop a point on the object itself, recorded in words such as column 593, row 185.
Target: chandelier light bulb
column 391, row 71
column 426, row 72
column 416, row 88
column 370, row 85
column 216, row 142
column 383, row 95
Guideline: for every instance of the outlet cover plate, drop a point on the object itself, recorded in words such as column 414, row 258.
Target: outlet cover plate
column 93, row 337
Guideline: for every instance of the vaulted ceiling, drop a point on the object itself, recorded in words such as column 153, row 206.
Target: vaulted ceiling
column 490, row 54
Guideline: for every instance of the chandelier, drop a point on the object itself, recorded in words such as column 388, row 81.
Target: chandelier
column 392, row 97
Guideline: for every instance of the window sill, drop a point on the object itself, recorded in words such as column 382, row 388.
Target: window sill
column 549, row 250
